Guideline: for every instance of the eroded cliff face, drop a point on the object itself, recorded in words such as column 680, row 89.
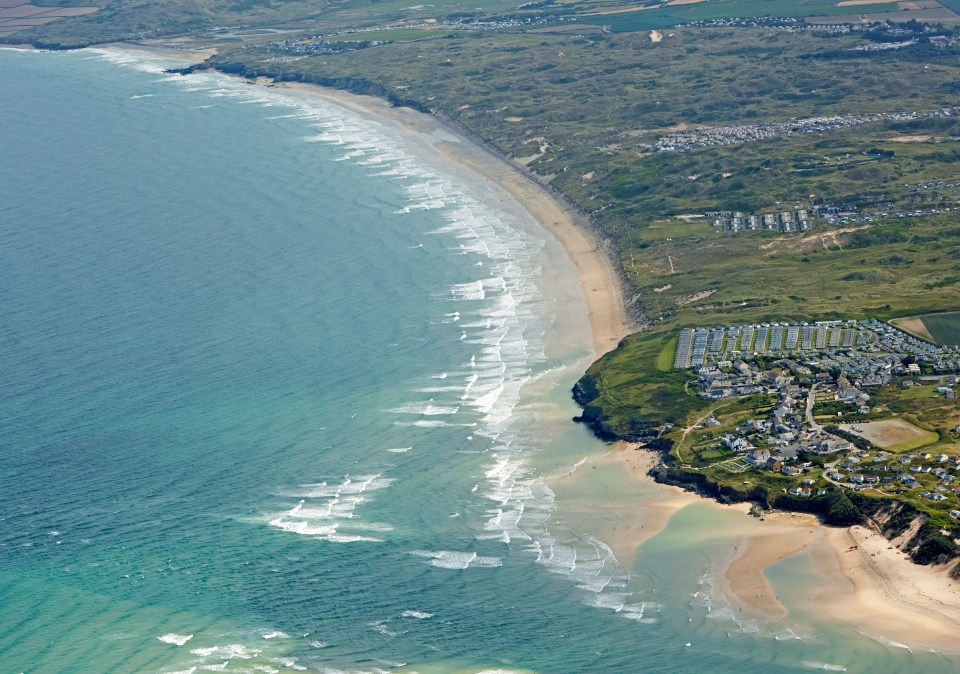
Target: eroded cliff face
column 624, row 426
column 912, row 532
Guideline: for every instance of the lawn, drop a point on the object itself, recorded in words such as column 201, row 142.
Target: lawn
column 666, row 355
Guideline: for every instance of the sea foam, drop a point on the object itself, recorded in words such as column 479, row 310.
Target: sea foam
column 450, row 559
column 500, row 315
column 327, row 510
column 175, row 639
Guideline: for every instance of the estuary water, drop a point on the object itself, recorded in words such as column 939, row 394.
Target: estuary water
column 282, row 389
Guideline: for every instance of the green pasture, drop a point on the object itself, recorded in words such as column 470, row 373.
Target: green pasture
column 944, row 328
column 393, row 35
column 732, row 9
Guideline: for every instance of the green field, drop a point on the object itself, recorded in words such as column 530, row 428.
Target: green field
column 396, row 35
column 944, row 328
column 732, row 9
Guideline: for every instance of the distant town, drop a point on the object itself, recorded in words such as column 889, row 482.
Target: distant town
column 688, row 139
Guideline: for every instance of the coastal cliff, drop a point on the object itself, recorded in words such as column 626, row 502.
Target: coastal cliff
column 635, row 421
column 907, row 528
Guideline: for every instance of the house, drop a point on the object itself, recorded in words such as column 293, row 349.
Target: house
column 736, row 444
column 758, row 458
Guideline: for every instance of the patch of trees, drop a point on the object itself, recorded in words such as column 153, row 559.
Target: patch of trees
column 840, row 510
column 660, row 444
column 704, row 486
column 933, row 546
column 877, row 236
column 835, row 508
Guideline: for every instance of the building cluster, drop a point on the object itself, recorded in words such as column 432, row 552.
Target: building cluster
column 316, row 46
column 945, row 41
column 786, row 439
column 883, row 46
column 932, row 186
column 791, row 220
column 871, row 351
column 322, row 44
column 689, row 139
column 747, row 22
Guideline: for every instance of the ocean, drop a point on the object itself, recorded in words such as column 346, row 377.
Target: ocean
column 285, row 390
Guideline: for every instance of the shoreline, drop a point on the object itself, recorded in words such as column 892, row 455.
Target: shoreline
column 874, row 588
column 597, row 276
column 862, row 580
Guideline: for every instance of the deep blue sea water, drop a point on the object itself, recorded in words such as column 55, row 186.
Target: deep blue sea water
column 280, row 391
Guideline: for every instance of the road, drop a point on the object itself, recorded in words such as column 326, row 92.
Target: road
column 814, row 426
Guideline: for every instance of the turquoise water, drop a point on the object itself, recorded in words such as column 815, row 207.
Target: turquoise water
column 280, row 389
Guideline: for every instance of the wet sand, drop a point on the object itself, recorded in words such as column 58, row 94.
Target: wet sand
column 627, row 521
column 863, row 580
column 760, row 545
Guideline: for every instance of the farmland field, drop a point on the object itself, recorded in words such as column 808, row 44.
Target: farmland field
column 914, row 326
column 944, row 328
column 672, row 14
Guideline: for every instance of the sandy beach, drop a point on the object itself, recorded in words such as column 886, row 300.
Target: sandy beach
column 873, row 586
column 863, row 581
column 598, row 277
column 626, row 523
